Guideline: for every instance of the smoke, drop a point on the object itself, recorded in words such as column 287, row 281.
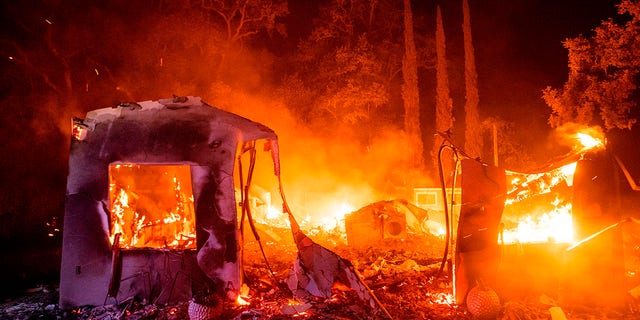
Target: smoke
column 323, row 176
column 100, row 55
column 568, row 135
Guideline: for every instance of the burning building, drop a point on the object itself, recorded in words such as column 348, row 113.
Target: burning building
column 557, row 229
column 151, row 210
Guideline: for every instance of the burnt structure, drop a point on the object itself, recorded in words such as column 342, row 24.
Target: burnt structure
column 151, row 210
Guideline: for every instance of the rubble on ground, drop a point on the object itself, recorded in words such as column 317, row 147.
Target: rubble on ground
column 402, row 273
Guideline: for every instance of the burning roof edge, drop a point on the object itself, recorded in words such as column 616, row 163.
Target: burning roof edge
column 249, row 129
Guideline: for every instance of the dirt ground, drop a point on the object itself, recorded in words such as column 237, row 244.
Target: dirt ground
column 403, row 274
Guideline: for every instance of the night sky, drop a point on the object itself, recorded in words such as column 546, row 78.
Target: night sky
column 519, row 52
column 519, row 44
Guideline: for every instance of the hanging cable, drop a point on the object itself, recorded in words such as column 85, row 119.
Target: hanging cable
column 453, row 198
column 246, row 207
column 240, row 172
column 447, row 238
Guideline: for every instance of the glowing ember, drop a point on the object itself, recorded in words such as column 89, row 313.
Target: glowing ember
column 243, row 297
column 242, row 301
column 78, row 130
column 442, row 298
column 152, row 206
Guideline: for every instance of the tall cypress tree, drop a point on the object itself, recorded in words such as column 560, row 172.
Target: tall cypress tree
column 473, row 128
column 444, row 103
column 410, row 92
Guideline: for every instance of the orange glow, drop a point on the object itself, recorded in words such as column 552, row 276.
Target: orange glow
column 523, row 186
column 242, row 301
column 590, row 141
column 538, row 220
column 442, row 298
column 335, row 215
column 555, row 226
column 152, row 206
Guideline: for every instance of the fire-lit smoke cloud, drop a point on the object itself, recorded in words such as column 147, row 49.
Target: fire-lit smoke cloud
column 579, row 137
column 323, row 177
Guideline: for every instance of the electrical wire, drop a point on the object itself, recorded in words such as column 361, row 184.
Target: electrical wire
column 448, row 224
column 246, row 207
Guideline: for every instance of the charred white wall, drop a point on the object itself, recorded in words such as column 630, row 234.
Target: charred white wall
column 169, row 132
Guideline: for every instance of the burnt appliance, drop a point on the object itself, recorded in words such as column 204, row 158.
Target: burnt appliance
column 376, row 222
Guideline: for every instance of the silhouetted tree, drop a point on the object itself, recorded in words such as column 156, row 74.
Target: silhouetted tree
column 410, row 92
column 473, row 129
column 348, row 63
column 603, row 75
column 511, row 154
column 241, row 19
column 444, row 103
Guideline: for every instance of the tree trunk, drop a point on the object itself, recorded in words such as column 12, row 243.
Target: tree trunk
column 410, row 92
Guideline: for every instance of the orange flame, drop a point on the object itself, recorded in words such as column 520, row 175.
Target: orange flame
column 243, row 297
column 556, row 224
column 588, row 141
column 242, row 301
column 150, row 207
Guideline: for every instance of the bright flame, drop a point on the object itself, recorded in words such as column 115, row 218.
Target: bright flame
column 588, row 141
column 335, row 216
column 273, row 213
column 554, row 226
column 242, row 301
column 243, row 297
column 542, row 224
column 568, row 171
column 581, row 138
column 539, row 220
column 523, row 186
column 151, row 207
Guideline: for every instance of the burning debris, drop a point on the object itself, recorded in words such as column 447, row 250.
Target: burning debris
column 152, row 226
column 158, row 212
column 317, row 270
